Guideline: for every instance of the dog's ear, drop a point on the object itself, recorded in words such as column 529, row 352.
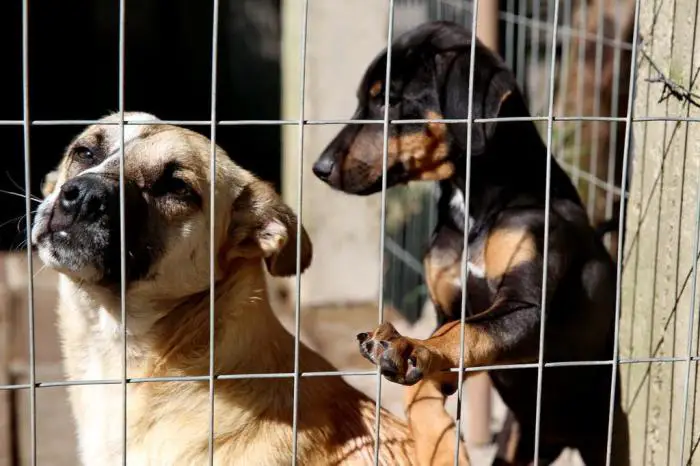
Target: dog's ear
column 49, row 183
column 496, row 93
column 262, row 225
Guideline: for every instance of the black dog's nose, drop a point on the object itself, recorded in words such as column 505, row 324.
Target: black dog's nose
column 323, row 167
column 84, row 197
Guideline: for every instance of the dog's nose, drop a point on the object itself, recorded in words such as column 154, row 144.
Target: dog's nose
column 84, row 197
column 323, row 167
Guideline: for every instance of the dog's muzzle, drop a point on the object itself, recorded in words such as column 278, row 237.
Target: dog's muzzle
column 77, row 229
column 82, row 199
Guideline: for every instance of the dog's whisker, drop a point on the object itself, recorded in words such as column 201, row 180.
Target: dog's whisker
column 18, row 219
column 23, row 196
column 41, row 269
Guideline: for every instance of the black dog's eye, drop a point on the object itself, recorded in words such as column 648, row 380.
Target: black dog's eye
column 394, row 98
column 83, row 154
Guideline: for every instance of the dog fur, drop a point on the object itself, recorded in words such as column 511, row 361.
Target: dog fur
column 167, row 193
column 430, row 72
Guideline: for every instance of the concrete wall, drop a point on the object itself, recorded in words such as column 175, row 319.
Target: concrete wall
column 346, row 225
column 661, row 229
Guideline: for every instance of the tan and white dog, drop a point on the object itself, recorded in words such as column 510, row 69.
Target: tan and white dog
column 76, row 231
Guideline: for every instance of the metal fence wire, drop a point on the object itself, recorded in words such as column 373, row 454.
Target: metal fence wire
column 559, row 51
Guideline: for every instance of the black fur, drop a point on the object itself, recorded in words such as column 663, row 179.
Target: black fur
column 430, row 73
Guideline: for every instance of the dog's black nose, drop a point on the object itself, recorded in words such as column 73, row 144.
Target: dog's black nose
column 84, row 197
column 323, row 167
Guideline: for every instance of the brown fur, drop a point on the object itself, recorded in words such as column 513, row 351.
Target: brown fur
column 376, row 88
column 442, row 266
column 422, row 153
column 505, row 249
column 168, row 334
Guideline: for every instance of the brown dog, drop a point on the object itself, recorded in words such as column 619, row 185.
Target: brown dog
column 167, row 188
column 506, row 239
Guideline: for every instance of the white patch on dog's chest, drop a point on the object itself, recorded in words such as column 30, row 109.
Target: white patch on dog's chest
column 457, row 211
column 475, row 270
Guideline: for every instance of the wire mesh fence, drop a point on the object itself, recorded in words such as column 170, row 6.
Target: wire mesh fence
column 578, row 63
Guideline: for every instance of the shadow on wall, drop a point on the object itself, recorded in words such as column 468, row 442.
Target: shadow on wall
column 73, row 75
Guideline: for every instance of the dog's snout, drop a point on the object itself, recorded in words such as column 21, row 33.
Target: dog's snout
column 323, row 168
column 84, row 197
column 70, row 194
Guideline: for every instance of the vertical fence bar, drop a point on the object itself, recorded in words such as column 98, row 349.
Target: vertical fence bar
column 581, row 33
column 300, row 190
column 534, row 42
column 382, row 231
column 510, row 26
column 550, row 46
column 618, row 280
column 122, row 225
column 28, row 219
column 595, row 125
column 564, row 78
column 520, row 65
column 612, row 143
column 545, row 255
column 464, row 272
column 212, row 220
column 696, row 249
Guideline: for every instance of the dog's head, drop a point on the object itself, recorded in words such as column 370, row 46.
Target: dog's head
column 429, row 80
column 167, row 202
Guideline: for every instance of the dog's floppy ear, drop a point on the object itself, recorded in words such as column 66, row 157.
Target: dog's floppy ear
column 263, row 225
column 49, row 183
column 495, row 89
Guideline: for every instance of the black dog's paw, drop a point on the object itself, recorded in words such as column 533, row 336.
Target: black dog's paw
column 400, row 360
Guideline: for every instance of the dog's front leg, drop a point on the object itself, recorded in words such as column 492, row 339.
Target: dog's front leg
column 496, row 336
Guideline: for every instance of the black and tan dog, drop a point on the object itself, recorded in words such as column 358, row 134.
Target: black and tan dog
column 429, row 80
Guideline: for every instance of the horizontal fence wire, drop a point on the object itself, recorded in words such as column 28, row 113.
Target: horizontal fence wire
column 286, row 375
column 601, row 119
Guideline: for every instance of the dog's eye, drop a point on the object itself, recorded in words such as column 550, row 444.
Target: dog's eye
column 177, row 187
column 83, row 154
column 394, row 98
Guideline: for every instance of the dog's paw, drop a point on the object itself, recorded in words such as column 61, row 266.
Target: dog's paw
column 400, row 359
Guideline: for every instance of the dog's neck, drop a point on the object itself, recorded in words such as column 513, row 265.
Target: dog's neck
column 505, row 172
column 171, row 337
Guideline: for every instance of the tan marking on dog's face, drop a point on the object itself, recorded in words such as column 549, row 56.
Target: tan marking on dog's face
column 169, row 166
column 419, row 155
column 507, row 248
column 376, row 89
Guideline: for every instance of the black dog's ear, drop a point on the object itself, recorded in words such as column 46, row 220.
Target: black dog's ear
column 262, row 225
column 494, row 86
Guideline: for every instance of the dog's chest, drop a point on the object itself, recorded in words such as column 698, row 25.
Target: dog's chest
column 92, row 351
column 457, row 212
column 98, row 410
column 479, row 290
